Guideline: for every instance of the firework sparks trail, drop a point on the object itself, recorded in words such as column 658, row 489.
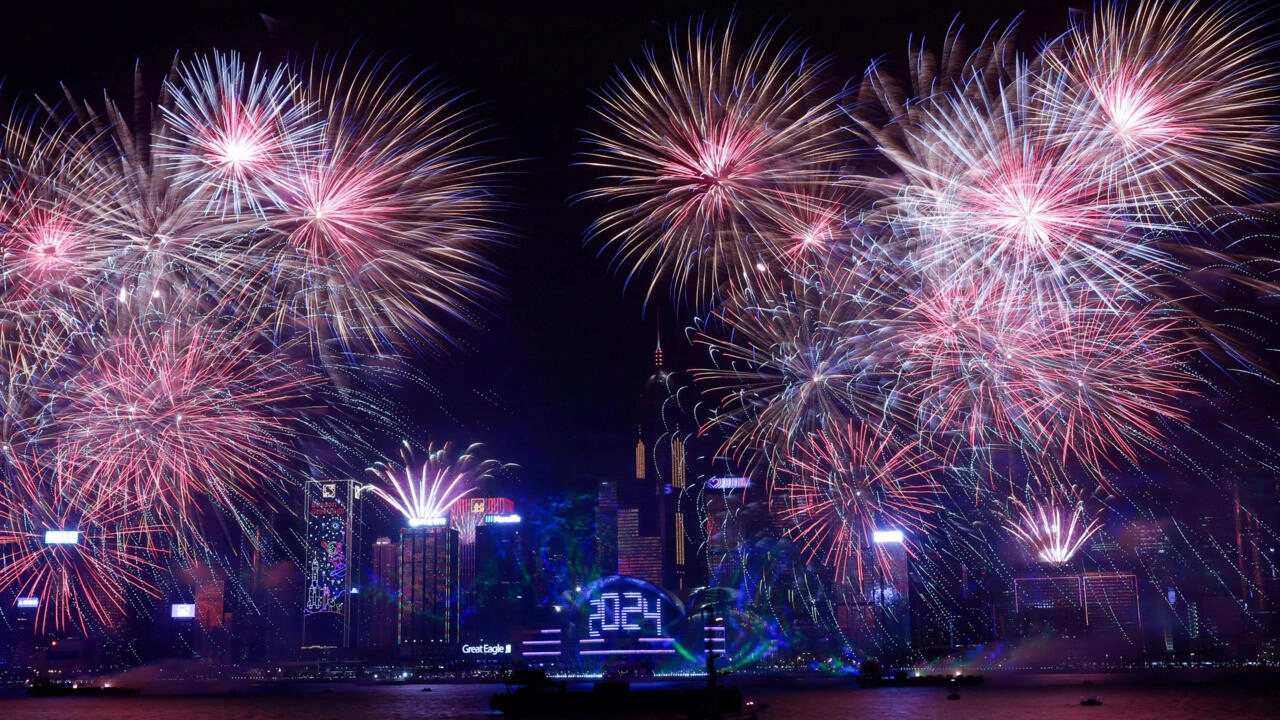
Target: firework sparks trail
column 423, row 492
column 846, row 484
column 385, row 232
column 1053, row 530
column 798, row 357
column 707, row 152
column 178, row 413
column 1013, row 262
column 77, row 552
column 232, row 133
column 1179, row 90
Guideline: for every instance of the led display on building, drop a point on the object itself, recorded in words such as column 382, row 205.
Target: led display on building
column 328, row 513
column 623, row 620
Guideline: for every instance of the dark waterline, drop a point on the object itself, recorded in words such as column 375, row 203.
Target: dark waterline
column 1000, row 699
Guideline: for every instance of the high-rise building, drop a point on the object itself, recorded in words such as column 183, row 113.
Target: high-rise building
column 1102, row 607
column 640, row 553
column 662, row 460
column 873, row 605
column 498, row 583
column 428, row 569
column 606, row 527
column 381, row 604
column 468, row 515
column 326, row 616
column 1111, row 608
column 489, row 566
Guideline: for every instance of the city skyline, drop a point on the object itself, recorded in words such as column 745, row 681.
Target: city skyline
column 1038, row 339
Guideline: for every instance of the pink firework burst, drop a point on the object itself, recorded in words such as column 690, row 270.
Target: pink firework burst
column 702, row 148
column 958, row 355
column 812, row 224
column 50, row 252
column 1182, row 92
column 1104, row 381
column 844, row 484
column 79, row 552
column 179, row 415
column 385, row 233
column 45, row 256
column 995, row 189
column 1086, row 380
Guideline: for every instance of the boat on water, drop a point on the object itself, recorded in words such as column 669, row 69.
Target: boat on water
column 532, row 693
column 44, row 687
column 905, row 680
column 1090, row 701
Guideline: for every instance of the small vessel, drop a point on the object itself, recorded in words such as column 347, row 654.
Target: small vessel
column 953, row 695
column 907, row 680
column 44, row 687
column 1095, row 700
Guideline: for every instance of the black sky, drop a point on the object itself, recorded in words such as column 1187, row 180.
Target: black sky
column 567, row 351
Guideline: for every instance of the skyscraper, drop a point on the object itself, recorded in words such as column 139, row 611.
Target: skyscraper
column 663, row 471
column 326, row 620
column 382, row 601
column 488, row 549
column 428, row 607
column 1099, row 607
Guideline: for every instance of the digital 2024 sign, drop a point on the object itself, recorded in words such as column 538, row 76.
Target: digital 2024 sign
column 627, row 611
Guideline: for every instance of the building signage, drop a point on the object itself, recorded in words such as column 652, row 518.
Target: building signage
column 486, row 649
column 328, row 516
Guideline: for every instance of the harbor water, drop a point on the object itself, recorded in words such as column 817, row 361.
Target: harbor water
column 998, row 699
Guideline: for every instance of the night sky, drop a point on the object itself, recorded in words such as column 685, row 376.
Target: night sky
column 552, row 382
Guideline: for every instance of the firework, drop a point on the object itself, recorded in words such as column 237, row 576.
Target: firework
column 706, row 148
column 995, row 192
column 179, row 414
column 1182, row 92
column 1053, row 530
column 79, row 556
column 232, row 132
column 49, row 248
column 850, row 482
column 1084, row 379
column 802, row 351
column 384, row 233
column 424, row 493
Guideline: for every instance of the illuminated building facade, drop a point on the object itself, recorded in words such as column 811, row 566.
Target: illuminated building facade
column 1051, row 605
column 326, row 617
column 467, row 515
column 1111, row 609
column 428, row 566
column 490, row 573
